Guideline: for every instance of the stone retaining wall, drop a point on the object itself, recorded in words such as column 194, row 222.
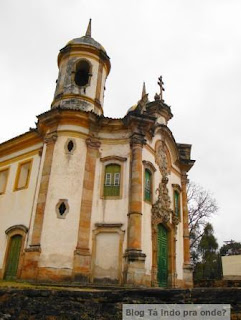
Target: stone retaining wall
column 103, row 304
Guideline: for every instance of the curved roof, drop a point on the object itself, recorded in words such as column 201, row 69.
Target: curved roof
column 87, row 40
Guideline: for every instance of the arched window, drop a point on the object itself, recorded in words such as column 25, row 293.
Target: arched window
column 112, row 180
column 148, row 181
column 148, row 185
column 82, row 74
column 177, row 203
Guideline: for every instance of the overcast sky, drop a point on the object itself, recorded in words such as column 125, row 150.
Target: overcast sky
column 194, row 44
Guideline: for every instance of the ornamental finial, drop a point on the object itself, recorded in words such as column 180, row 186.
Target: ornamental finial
column 88, row 31
column 143, row 90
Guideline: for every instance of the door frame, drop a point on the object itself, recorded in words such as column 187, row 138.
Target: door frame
column 15, row 230
column 171, row 252
column 108, row 228
column 161, row 226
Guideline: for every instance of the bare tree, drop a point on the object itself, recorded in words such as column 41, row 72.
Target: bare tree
column 201, row 206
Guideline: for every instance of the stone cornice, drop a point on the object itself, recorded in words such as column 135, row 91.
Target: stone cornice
column 108, row 225
column 160, row 108
column 21, row 142
column 52, row 118
column 117, row 158
column 184, row 156
column 139, row 123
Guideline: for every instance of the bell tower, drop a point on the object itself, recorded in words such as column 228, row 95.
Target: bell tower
column 83, row 68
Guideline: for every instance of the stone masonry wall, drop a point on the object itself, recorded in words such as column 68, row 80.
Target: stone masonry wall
column 103, row 304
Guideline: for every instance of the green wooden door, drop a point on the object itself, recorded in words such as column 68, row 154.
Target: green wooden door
column 13, row 257
column 162, row 256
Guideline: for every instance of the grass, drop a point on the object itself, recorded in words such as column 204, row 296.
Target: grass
column 28, row 285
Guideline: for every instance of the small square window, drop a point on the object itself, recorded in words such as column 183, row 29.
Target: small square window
column 23, row 175
column 3, row 180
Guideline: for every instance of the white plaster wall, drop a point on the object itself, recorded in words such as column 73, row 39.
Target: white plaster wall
column 107, row 255
column 61, row 77
column 102, row 92
column 73, row 128
column 59, row 236
column 111, row 211
column 91, row 90
column 16, row 206
column 231, row 266
column 21, row 152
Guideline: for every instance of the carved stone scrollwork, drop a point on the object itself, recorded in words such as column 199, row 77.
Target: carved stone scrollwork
column 161, row 209
column 93, row 143
column 51, row 138
column 175, row 219
column 137, row 139
column 161, row 159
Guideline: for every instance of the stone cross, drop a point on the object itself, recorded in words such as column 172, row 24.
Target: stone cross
column 161, row 83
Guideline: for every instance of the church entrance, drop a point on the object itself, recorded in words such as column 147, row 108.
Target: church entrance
column 162, row 256
column 13, row 257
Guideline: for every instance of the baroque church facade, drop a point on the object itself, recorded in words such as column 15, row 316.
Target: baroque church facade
column 91, row 199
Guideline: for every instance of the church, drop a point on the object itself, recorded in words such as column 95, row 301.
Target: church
column 89, row 199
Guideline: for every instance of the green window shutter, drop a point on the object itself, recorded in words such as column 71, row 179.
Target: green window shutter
column 112, row 180
column 147, row 185
column 176, row 203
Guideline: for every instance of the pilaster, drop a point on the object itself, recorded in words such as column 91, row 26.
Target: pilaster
column 82, row 258
column 134, row 272
column 187, row 267
column 31, row 256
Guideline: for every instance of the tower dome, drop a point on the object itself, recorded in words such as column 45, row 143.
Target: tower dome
column 83, row 68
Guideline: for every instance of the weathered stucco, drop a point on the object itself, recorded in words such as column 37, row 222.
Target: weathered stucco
column 74, row 231
column 59, row 236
